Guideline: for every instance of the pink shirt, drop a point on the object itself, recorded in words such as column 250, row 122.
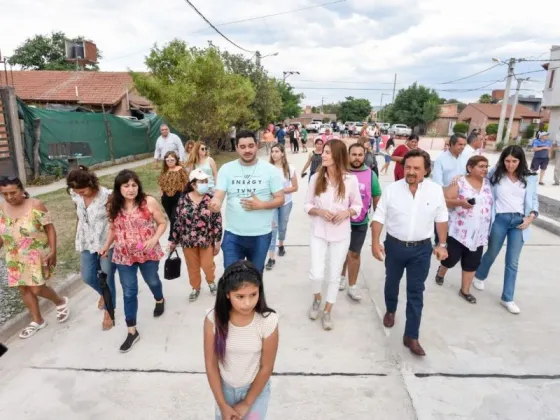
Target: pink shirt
column 329, row 201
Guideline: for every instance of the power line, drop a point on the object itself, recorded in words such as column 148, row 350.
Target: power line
column 234, row 22
column 216, row 29
column 471, row 75
column 273, row 14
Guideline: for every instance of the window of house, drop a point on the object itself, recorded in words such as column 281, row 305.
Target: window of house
column 551, row 83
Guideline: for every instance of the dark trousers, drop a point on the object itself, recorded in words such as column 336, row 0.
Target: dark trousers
column 416, row 261
column 169, row 204
column 295, row 145
column 232, row 140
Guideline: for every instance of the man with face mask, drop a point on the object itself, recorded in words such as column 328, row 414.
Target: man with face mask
column 408, row 210
column 370, row 192
column 253, row 188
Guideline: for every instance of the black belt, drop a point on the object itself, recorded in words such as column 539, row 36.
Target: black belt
column 409, row 244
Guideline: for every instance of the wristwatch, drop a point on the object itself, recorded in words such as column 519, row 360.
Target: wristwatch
column 535, row 213
column 442, row 245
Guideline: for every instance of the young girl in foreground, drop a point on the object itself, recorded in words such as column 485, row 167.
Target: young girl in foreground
column 240, row 344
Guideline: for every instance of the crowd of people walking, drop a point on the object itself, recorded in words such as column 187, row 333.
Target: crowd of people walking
column 468, row 206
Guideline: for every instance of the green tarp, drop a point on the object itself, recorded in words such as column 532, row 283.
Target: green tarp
column 129, row 137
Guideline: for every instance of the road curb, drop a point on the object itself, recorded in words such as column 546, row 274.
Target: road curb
column 68, row 287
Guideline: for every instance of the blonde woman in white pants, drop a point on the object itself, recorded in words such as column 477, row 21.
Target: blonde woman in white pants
column 332, row 199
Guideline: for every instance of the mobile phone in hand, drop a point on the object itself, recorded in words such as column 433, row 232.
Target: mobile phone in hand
column 303, row 175
column 471, row 201
column 3, row 349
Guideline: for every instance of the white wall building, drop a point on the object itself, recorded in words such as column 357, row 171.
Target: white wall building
column 551, row 93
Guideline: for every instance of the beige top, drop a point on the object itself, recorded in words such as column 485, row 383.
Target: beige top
column 244, row 348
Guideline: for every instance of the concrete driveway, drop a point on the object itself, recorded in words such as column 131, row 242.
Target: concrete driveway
column 482, row 363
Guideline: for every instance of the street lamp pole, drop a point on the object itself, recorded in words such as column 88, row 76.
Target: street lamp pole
column 287, row 74
column 381, row 104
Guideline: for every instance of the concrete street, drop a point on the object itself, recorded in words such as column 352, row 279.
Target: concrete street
column 482, row 362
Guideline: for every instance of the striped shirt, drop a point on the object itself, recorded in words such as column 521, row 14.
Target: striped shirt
column 244, row 348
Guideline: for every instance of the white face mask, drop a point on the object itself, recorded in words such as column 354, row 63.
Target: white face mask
column 202, row 188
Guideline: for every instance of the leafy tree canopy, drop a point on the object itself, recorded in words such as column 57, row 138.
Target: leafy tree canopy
column 194, row 91
column 46, row 52
column 353, row 109
column 485, row 98
column 290, row 101
column 414, row 106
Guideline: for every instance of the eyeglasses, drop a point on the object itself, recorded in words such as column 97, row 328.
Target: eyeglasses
column 203, row 149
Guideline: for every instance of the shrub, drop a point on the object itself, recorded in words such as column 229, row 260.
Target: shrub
column 530, row 131
column 500, row 146
column 524, row 142
column 492, row 129
column 461, row 127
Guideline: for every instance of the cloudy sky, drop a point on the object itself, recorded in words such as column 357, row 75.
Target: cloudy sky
column 348, row 48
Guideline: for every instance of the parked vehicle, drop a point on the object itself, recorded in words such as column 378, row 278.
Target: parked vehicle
column 314, row 126
column 324, row 127
column 400, row 130
column 358, row 127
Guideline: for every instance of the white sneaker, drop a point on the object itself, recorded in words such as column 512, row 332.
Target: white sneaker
column 354, row 293
column 342, row 285
column 314, row 310
column 511, row 307
column 328, row 323
column 478, row 284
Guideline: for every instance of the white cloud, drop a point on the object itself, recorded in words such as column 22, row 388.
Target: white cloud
column 360, row 41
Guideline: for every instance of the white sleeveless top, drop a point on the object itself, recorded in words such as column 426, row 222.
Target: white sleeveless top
column 472, row 227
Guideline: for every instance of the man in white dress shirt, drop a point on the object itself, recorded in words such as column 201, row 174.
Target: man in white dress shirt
column 473, row 147
column 408, row 209
column 168, row 142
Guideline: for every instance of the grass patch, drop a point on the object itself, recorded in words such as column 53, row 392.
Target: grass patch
column 64, row 214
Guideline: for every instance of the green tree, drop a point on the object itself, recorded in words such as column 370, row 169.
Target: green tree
column 268, row 102
column 290, row 101
column 193, row 90
column 485, row 98
column 332, row 109
column 416, row 105
column 353, row 109
column 461, row 127
column 46, row 52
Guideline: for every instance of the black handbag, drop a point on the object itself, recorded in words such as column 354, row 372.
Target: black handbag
column 172, row 266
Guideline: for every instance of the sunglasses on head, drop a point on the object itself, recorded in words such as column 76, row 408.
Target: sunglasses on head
column 6, row 179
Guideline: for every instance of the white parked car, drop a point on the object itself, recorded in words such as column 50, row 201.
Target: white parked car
column 324, row 127
column 401, row 130
column 313, row 126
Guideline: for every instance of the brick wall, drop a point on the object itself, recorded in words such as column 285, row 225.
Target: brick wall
column 4, row 148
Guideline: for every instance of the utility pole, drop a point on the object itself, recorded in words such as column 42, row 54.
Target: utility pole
column 511, row 65
column 394, row 88
column 258, row 59
column 513, row 106
column 322, row 103
column 381, row 103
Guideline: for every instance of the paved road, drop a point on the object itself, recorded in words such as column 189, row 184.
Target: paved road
column 480, row 364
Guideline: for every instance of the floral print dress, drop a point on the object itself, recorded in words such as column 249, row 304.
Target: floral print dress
column 196, row 226
column 26, row 243
column 472, row 227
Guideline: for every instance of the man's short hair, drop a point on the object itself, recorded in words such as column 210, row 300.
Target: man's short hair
column 419, row 153
column 455, row 138
column 472, row 137
column 359, row 144
column 244, row 134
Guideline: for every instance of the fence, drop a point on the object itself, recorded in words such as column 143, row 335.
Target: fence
column 109, row 137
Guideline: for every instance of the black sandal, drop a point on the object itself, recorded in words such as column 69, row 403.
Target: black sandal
column 467, row 296
column 439, row 279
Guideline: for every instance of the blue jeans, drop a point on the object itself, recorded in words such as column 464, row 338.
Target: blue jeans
column 234, row 396
column 129, row 281
column 416, row 260
column 281, row 216
column 90, row 262
column 377, row 142
column 252, row 248
column 505, row 225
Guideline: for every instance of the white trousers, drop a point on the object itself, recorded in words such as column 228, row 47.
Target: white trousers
column 330, row 256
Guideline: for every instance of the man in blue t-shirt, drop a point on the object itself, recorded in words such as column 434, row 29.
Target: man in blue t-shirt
column 281, row 135
column 542, row 148
column 254, row 188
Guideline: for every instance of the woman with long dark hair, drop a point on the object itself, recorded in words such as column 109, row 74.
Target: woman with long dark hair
column 137, row 224
column 281, row 214
column 240, row 344
column 332, row 199
column 314, row 159
column 92, row 231
column 28, row 233
column 515, row 207
column 172, row 181
column 389, row 148
column 199, row 232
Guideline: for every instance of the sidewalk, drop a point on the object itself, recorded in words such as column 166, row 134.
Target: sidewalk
column 34, row 191
column 479, row 363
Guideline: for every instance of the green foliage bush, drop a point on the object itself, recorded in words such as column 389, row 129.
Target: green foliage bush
column 492, row 129
column 461, row 127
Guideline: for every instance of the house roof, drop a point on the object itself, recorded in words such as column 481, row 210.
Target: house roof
column 493, row 111
column 82, row 87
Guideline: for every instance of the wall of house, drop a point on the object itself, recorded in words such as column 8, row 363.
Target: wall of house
column 551, row 95
column 122, row 108
column 554, row 124
column 477, row 118
column 441, row 126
